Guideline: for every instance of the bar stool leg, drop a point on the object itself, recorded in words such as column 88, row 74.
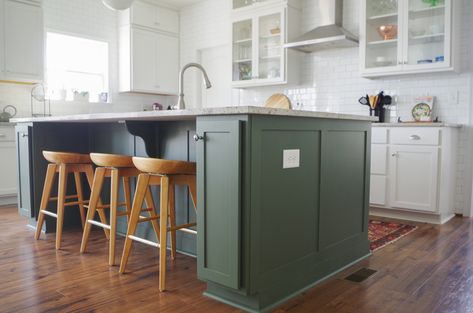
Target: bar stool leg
column 141, row 190
column 172, row 219
column 62, row 185
column 113, row 215
column 80, row 197
column 89, row 173
column 93, row 202
column 127, row 195
column 150, row 205
column 48, row 185
column 163, row 229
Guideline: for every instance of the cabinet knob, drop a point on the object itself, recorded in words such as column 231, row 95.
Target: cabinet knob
column 394, row 155
column 197, row 137
column 414, row 137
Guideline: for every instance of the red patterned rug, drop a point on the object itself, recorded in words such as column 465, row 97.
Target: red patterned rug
column 380, row 234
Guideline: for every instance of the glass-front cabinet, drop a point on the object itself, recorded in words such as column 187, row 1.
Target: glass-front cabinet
column 258, row 53
column 407, row 36
column 238, row 4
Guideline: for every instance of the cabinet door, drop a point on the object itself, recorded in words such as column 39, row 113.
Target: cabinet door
column 25, row 177
column 167, row 20
column 218, row 202
column 380, row 45
column 167, row 64
column 271, row 55
column 8, row 169
column 143, row 14
column 427, row 35
column 243, row 50
column 23, row 41
column 414, row 177
column 144, row 61
column 378, row 190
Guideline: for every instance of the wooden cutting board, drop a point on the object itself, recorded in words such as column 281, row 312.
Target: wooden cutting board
column 278, row 101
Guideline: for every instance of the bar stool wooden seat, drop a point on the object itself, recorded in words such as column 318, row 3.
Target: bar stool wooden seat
column 115, row 167
column 166, row 174
column 64, row 163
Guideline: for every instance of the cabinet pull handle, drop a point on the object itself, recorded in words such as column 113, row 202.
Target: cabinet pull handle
column 394, row 155
column 24, row 135
column 197, row 137
column 414, row 137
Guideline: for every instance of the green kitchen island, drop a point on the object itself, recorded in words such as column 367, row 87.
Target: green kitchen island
column 282, row 195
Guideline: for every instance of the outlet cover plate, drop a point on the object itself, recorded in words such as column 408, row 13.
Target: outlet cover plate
column 291, row 158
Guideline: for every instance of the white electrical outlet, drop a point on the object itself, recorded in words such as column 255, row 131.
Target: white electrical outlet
column 291, row 158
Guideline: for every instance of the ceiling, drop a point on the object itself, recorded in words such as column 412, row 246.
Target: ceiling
column 179, row 4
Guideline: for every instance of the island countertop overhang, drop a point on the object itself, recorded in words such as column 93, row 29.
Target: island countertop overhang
column 189, row 114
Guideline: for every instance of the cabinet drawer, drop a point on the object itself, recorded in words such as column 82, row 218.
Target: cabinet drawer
column 7, row 133
column 379, row 135
column 379, row 154
column 415, row 136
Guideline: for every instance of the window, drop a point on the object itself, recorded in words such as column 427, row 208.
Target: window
column 76, row 68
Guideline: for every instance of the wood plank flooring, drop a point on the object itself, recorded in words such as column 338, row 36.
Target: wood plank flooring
column 430, row 270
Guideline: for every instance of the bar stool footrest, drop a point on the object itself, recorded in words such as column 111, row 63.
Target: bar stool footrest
column 145, row 241
column 94, row 222
column 48, row 213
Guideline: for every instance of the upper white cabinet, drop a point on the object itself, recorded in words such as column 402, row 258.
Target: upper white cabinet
column 149, row 49
column 148, row 15
column 23, row 41
column 407, row 37
column 259, row 31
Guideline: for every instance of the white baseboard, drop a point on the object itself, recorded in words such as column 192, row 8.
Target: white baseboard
column 411, row 216
column 8, row 200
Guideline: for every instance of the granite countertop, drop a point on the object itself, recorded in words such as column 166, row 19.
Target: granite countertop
column 417, row 125
column 190, row 114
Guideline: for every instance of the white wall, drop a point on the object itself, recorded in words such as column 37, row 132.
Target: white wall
column 88, row 18
column 331, row 79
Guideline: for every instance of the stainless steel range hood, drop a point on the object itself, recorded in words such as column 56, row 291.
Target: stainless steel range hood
column 330, row 34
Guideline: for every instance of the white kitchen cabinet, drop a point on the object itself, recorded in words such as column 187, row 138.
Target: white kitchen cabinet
column 22, row 41
column 424, row 38
column 413, row 173
column 8, row 174
column 149, row 56
column 258, row 36
column 148, row 15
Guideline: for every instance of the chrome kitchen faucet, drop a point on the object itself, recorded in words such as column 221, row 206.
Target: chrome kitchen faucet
column 181, row 105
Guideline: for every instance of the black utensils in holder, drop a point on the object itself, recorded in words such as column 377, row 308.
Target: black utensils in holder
column 377, row 105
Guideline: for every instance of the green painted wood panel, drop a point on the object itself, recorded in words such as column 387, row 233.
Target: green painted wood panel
column 218, row 187
column 342, row 207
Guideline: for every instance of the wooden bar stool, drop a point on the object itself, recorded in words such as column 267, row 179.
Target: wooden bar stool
column 64, row 163
column 115, row 167
column 167, row 174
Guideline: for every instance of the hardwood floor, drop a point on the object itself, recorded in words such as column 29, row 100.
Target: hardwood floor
column 430, row 270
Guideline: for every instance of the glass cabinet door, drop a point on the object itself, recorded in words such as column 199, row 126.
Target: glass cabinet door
column 382, row 27
column 243, row 50
column 427, row 32
column 270, row 41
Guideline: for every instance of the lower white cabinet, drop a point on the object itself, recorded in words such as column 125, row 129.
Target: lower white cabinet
column 8, row 174
column 413, row 173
